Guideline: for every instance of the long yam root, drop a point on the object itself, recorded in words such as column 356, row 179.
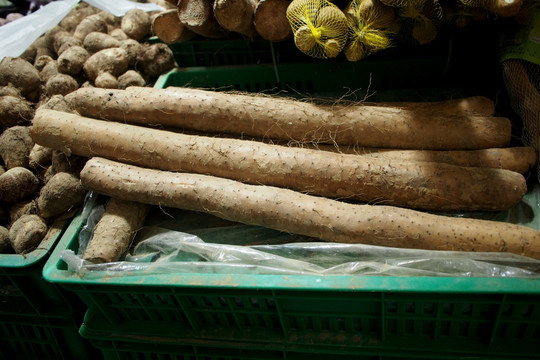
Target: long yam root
column 422, row 185
column 408, row 127
column 294, row 212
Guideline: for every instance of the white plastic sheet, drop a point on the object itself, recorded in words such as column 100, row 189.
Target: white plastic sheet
column 244, row 249
column 18, row 35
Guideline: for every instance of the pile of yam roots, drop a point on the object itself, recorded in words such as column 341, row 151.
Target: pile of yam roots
column 371, row 173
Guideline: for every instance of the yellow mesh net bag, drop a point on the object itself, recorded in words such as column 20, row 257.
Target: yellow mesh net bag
column 370, row 23
column 319, row 27
column 403, row 3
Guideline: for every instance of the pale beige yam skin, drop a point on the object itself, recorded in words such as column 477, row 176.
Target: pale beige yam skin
column 278, row 118
column 198, row 16
column 298, row 213
column 520, row 158
column 168, row 28
column 236, row 16
column 114, row 231
column 423, row 185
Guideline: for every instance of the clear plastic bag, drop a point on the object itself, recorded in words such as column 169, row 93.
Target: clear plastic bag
column 18, row 35
column 173, row 241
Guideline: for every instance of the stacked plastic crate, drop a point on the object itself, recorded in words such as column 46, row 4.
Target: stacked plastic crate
column 38, row 319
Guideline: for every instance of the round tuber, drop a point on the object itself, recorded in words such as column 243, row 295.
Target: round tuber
column 15, row 146
column 17, row 184
column 136, row 24
column 26, row 233
column 62, row 192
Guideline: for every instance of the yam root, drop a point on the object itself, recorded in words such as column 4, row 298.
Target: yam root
column 270, row 20
column 286, row 119
column 5, row 244
column 61, row 193
column 130, row 78
column 520, row 158
column 22, row 75
column 15, row 146
column 72, row 60
column 114, row 231
column 17, row 184
column 236, row 16
column 154, row 60
column 298, row 213
column 14, row 111
column 40, row 157
column 20, row 209
column 168, row 28
column 106, row 80
column 113, row 60
column 197, row 16
column 26, row 233
column 61, row 84
column 97, row 41
column 423, row 185
column 136, row 24
column 92, row 23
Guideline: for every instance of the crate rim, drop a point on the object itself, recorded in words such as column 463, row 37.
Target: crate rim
column 348, row 283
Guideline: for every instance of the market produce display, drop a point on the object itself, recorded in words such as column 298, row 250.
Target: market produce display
column 82, row 92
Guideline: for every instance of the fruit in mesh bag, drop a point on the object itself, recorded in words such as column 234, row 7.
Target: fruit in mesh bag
column 420, row 24
column 319, row 27
column 370, row 25
column 503, row 8
column 403, row 3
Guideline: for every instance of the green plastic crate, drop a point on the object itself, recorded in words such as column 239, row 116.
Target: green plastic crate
column 22, row 287
column 499, row 317
column 44, row 338
column 263, row 344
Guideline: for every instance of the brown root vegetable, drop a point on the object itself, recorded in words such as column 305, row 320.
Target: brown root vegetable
column 40, row 157
column 270, row 20
column 5, row 244
column 22, row 75
column 72, row 60
column 26, row 233
column 48, row 71
column 10, row 90
column 57, row 102
column 130, row 78
column 118, row 34
column 49, row 36
column 113, row 60
column 197, row 15
column 290, row 120
column 61, row 193
column 63, row 163
column 519, row 159
column 63, row 40
column 136, row 24
column 106, row 80
column 154, row 60
column 133, row 49
column 90, row 24
column 22, row 208
column 298, row 213
column 168, row 28
column 13, row 16
column 422, row 185
column 15, row 146
column 15, row 111
column 17, row 184
column 114, row 231
column 236, row 16
column 41, row 61
column 61, row 84
column 76, row 16
column 97, row 41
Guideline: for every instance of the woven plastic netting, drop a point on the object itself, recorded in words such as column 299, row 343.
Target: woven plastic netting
column 319, row 27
